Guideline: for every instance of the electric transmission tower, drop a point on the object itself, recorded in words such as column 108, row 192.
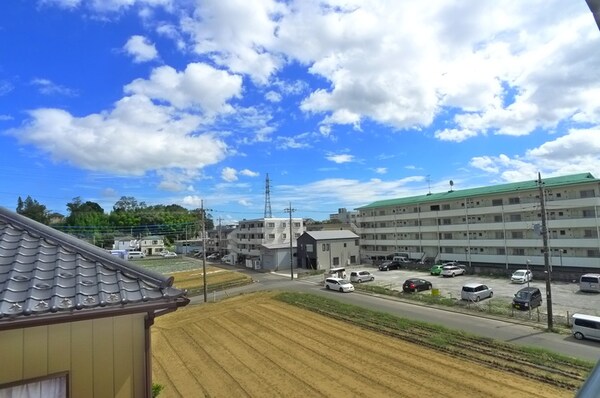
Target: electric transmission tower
column 268, row 213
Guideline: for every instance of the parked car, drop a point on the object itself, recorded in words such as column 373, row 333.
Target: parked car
column 416, row 285
column 214, row 256
column 361, row 276
column 521, row 276
column 168, row 254
column 586, row 327
column 527, row 298
column 452, row 270
column 390, row 265
column 436, row 269
column 339, row 284
column 475, row 292
column 589, row 283
column 135, row 254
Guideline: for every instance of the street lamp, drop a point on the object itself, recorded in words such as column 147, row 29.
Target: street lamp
column 528, row 272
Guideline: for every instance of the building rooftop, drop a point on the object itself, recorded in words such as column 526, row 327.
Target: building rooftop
column 333, row 234
column 45, row 272
column 483, row 191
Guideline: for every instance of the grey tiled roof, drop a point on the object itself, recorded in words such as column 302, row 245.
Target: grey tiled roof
column 44, row 271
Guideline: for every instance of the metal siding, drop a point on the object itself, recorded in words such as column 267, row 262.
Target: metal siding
column 35, row 352
column 123, row 356
column 103, row 361
column 11, row 347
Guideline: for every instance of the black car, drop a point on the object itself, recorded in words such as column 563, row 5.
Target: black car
column 389, row 265
column 416, row 285
column 527, row 298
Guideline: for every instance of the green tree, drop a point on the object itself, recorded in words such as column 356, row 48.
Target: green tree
column 31, row 208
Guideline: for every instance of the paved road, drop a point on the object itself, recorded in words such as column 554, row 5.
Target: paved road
column 523, row 334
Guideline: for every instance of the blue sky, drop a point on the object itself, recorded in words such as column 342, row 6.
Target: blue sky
column 342, row 103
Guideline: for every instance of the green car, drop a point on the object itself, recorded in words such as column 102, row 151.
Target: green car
column 436, row 269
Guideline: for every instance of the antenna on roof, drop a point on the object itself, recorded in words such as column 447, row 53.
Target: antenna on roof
column 451, row 185
column 428, row 185
column 268, row 213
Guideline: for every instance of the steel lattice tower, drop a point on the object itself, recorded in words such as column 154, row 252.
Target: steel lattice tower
column 268, row 213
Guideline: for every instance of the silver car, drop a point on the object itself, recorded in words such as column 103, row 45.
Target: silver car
column 452, row 270
column 475, row 292
column 361, row 276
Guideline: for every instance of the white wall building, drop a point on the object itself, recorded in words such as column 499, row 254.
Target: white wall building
column 491, row 226
column 245, row 241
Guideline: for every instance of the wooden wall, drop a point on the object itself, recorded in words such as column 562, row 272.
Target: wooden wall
column 104, row 357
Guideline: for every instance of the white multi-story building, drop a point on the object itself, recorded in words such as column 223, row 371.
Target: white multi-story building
column 496, row 226
column 245, row 241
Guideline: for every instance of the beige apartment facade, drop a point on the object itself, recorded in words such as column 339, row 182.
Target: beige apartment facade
column 497, row 226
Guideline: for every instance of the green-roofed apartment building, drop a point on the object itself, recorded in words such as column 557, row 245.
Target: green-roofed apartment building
column 496, row 227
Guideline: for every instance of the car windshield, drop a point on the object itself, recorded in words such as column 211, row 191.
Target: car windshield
column 344, row 282
column 519, row 273
column 522, row 295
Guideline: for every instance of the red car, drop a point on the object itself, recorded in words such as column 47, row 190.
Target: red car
column 416, row 285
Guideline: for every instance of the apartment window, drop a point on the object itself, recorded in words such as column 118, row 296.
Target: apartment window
column 434, row 207
column 588, row 193
column 516, row 235
column 497, row 202
column 447, row 236
column 514, row 201
column 515, row 217
column 382, row 237
column 590, row 233
column 325, row 247
column 283, row 236
column 309, row 248
column 448, row 250
column 446, row 207
column 345, row 245
column 296, row 235
column 271, row 236
column 446, row 221
column 356, row 242
column 518, row 252
column 562, row 232
column 336, row 261
column 271, row 225
column 593, row 253
column 500, row 251
column 297, row 225
column 499, row 234
column 282, row 225
column 497, row 218
column 591, row 213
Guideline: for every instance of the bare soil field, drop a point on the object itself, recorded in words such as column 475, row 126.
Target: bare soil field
column 256, row 346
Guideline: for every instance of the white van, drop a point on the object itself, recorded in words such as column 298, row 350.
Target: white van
column 135, row 254
column 590, row 283
column 586, row 327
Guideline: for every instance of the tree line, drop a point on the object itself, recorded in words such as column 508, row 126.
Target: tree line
column 89, row 221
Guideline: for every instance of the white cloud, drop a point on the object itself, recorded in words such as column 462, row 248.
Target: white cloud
column 200, row 85
column 48, row 87
column 381, row 170
column 134, row 137
column 5, row 87
column 141, row 49
column 249, row 173
column 454, row 135
column 229, row 174
column 273, row 96
column 295, row 142
column 340, row 158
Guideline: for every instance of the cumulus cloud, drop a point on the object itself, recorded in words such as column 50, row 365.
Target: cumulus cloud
column 273, row 96
column 199, row 85
column 380, row 170
column 249, row 173
column 132, row 138
column 229, row 174
column 141, row 49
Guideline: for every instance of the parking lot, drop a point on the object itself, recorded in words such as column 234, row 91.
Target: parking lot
column 566, row 297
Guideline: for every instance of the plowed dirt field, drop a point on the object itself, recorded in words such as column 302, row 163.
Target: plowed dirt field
column 254, row 346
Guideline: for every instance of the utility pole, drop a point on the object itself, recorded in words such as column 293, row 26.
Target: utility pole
column 546, row 253
column 203, row 249
column 290, row 210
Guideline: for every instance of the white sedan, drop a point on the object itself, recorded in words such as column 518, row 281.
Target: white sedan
column 521, row 276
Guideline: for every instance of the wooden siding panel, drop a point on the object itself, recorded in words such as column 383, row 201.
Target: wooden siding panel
column 59, row 348
column 81, row 359
column 139, row 355
column 11, row 346
column 35, row 352
column 123, row 356
column 103, row 357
